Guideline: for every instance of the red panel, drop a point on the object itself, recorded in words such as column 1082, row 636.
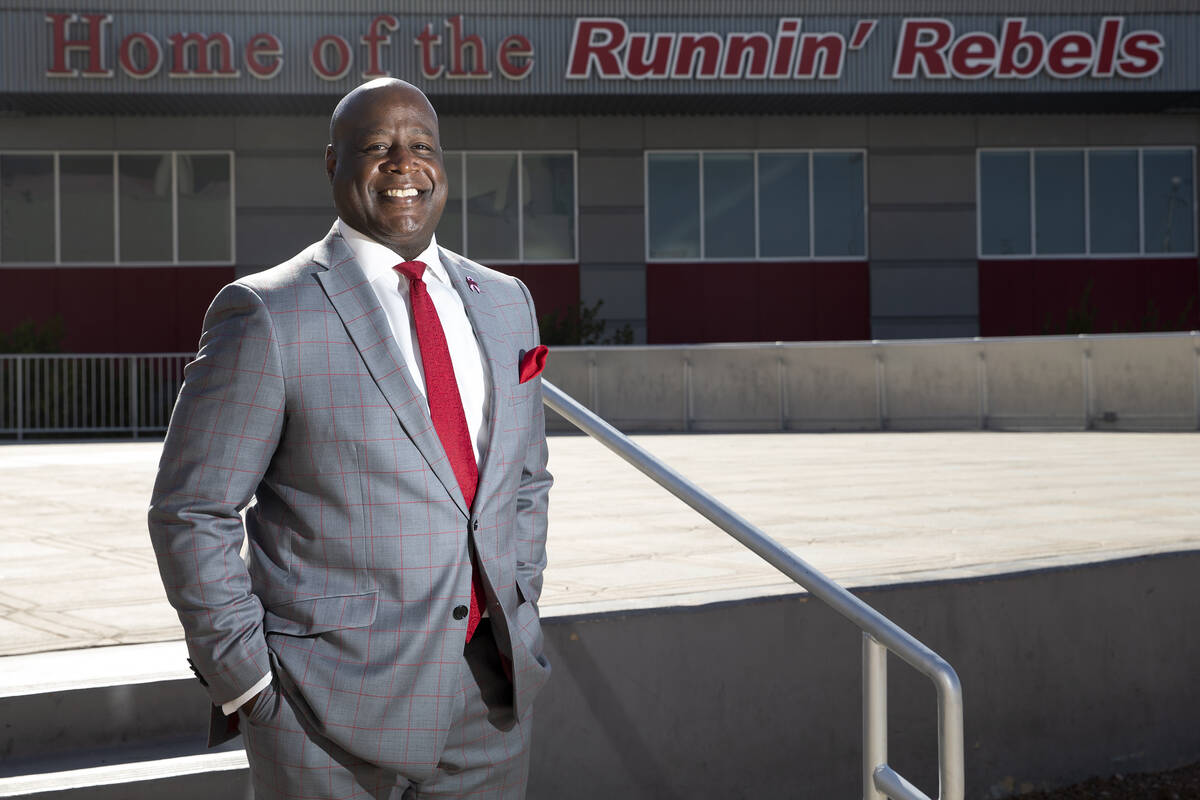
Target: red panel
column 88, row 300
column 28, row 296
column 1037, row 297
column 115, row 309
column 757, row 302
column 147, row 296
column 195, row 288
column 555, row 287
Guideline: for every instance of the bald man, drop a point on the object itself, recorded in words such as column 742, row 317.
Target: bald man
column 373, row 405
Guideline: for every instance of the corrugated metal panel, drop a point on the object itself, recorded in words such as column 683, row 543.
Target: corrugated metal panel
column 626, row 7
column 580, row 104
column 27, row 44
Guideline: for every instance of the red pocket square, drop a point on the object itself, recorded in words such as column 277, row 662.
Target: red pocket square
column 533, row 362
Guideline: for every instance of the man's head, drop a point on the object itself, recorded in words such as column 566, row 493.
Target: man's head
column 384, row 161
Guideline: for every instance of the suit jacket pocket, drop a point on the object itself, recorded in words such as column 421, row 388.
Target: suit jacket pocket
column 523, row 592
column 528, row 623
column 315, row 615
column 264, row 706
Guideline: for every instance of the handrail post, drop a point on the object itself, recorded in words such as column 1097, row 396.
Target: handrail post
column 951, row 748
column 874, row 714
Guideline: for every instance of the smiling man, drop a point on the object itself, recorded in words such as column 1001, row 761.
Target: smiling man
column 373, row 405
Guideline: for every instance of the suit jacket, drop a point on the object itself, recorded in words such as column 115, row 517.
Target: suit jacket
column 358, row 533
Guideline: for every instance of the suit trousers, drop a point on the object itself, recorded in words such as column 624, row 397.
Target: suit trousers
column 486, row 756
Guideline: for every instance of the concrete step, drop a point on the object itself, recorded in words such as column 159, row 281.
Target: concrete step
column 85, row 707
column 193, row 777
column 112, row 722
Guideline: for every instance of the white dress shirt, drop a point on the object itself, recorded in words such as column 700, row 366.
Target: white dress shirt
column 391, row 287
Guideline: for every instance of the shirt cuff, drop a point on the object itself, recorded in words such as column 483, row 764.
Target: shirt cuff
column 237, row 702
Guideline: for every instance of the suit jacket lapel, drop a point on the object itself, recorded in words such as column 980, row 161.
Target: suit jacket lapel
column 356, row 303
column 481, row 311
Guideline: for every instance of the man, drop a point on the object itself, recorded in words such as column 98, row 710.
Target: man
column 376, row 398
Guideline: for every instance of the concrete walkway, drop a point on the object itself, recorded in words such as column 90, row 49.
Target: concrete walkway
column 76, row 568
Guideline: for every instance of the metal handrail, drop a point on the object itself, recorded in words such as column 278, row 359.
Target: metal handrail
column 880, row 634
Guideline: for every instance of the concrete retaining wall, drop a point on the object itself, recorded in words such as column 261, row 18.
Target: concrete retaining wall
column 1118, row 382
column 1088, row 670
column 1068, row 673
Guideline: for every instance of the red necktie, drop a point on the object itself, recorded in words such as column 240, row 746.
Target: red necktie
column 445, row 405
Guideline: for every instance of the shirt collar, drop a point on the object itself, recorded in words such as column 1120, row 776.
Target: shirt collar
column 377, row 260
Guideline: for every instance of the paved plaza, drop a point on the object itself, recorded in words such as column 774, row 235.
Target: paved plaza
column 76, row 568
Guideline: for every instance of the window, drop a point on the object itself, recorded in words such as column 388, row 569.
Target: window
column 116, row 208
column 755, row 205
column 515, row 207
column 1058, row 202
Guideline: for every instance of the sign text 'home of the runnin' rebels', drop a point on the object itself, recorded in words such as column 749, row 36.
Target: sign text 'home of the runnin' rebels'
column 84, row 45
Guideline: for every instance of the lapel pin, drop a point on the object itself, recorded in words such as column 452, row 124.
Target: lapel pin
column 473, row 285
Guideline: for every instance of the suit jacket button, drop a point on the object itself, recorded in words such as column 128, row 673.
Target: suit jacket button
column 475, row 525
column 460, row 612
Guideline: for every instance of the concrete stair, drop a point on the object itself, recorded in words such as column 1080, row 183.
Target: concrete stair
column 1071, row 672
column 112, row 722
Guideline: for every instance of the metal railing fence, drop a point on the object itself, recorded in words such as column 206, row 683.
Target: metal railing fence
column 102, row 393
column 880, row 635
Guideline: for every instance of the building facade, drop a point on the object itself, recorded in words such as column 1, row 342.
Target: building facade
column 787, row 171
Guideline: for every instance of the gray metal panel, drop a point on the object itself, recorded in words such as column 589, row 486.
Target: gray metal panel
column 611, row 181
column 607, row 236
column 924, row 327
column 812, row 131
column 929, row 179
column 295, row 134
column 682, row 132
column 920, row 290
column 453, row 130
column 518, row 133
column 922, row 131
column 1075, row 130
column 622, row 287
column 176, row 133
column 57, row 133
column 271, row 236
column 612, row 133
column 1143, row 129
column 926, row 235
column 283, row 182
column 1033, row 130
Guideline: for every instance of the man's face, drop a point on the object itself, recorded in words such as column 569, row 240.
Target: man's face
column 385, row 165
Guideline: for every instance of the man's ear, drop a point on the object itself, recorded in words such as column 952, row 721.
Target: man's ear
column 330, row 161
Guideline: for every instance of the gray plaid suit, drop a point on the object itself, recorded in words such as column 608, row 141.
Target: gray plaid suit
column 358, row 533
